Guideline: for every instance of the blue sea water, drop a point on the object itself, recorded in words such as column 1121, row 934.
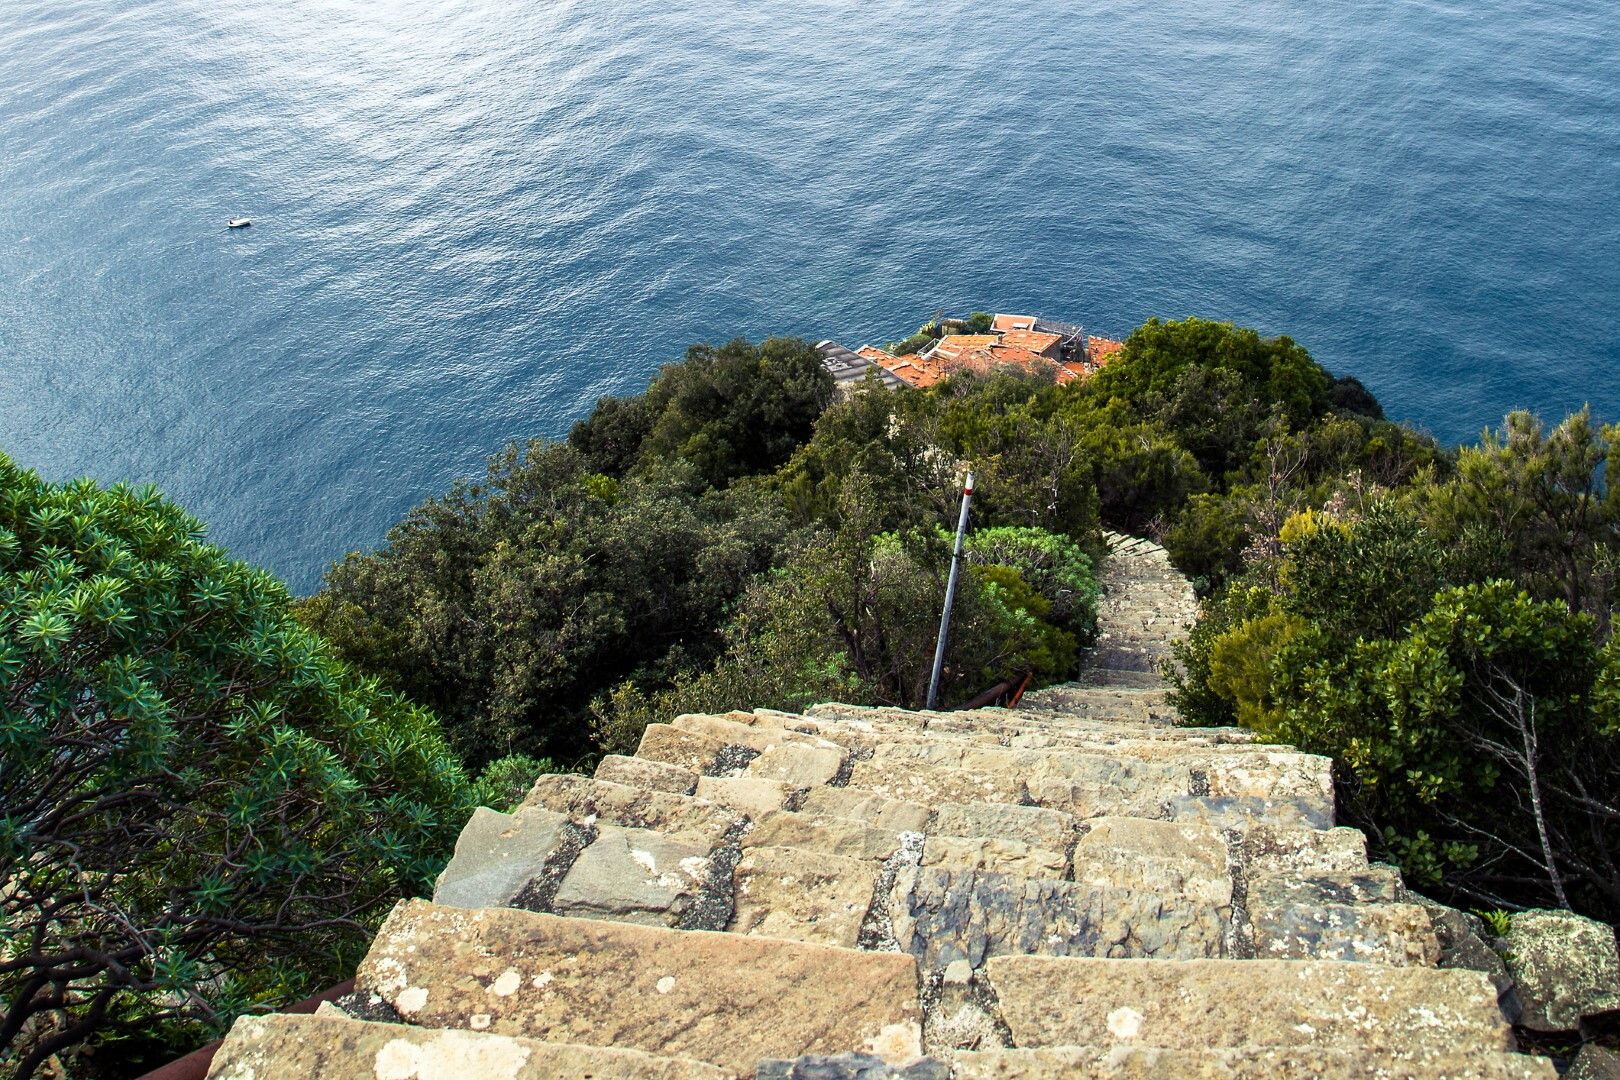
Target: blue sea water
column 472, row 218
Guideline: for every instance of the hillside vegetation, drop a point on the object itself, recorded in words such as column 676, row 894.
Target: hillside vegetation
column 210, row 791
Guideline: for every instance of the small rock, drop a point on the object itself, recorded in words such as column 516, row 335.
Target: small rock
column 1595, row 1062
column 1565, row 967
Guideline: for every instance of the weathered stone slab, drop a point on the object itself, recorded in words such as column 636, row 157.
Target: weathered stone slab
column 635, row 875
column 802, row 895
column 1249, row 1063
column 852, row 1067
column 728, row 999
column 1123, row 781
column 1370, row 933
column 1033, row 825
column 869, row 807
column 1246, row 811
column 1270, row 849
column 942, row 916
column 685, row 749
column 497, row 855
column 1565, row 967
column 1275, row 774
column 1375, row 884
column 798, row 766
column 815, row 832
column 1169, row 858
column 743, row 729
column 1199, row 1004
column 995, row 855
column 287, row 1047
column 647, row 774
column 751, row 795
column 910, row 781
column 583, row 798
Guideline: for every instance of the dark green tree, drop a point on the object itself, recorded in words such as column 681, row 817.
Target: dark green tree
column 732, row 411
column 201, row 809
column 506, row 606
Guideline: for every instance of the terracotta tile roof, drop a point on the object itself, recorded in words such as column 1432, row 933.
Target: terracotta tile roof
column 1071, row 371
column 1012, row 354
column 877, row 355
column 1101, row 350
column 953, row 345
column 1034, row 341
column 1004, row 323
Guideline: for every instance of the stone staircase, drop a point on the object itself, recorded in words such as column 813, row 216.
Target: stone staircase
column 1073, row 889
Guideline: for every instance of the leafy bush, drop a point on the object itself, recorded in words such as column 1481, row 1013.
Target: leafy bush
column 1448, row 644
column 1053, row 566
column 506, row 781
column 737, row 410
column 507, row 606
column 201, row 810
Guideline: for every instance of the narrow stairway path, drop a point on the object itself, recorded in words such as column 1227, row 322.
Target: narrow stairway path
column 1077, row 889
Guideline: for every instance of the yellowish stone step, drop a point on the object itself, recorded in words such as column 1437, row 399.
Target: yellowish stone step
column 1203, row 1004
column 1244, row 1063
column 726, row 999
column 330, row 1047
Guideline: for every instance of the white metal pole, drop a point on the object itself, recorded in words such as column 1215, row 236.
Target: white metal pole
column 950, row 595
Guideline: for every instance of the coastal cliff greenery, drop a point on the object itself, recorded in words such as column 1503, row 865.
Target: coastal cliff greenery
column 211, row 790
column 202, row 810
column 1448, row 641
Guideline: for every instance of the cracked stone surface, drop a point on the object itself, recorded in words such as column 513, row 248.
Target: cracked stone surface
column 726, row 999
column 802, row 895
column 497, row 855
column 635, row 875
column 941, row 916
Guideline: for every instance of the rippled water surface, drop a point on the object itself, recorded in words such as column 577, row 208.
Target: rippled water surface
column 474, row 218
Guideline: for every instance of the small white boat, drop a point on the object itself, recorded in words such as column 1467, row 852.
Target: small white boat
column 238, row 223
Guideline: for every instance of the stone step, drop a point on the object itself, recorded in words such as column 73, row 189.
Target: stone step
column 801, row 895
column 1266, row 774
column 1241, row 1063
column 1116, row 787
column 1362, row 913
column 583, row 798
column 332, row 1047
column 646, row 774
column 730, row 1000
column 943, row 916
column 845, row 837
column 1167, row 858
column 1203, row 1004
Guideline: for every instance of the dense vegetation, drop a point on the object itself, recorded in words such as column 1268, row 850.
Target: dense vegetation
column 201, row 809
column 730, row 538
column 1448, row 641
column 203, row 801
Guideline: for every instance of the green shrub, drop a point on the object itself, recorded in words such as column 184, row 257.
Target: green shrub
column 201, row 810
column 506, row 781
